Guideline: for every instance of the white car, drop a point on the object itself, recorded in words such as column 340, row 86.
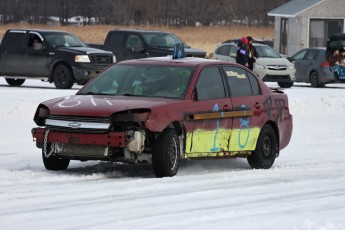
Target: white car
column 270, row 66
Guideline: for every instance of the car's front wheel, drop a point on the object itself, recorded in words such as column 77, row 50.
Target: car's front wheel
column 63, row 77
column 166, row 154
column 51, row 162
column 286, row 84
column 266, row 149
column 14, row 81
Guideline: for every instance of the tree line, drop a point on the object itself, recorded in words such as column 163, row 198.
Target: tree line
column 141, row 12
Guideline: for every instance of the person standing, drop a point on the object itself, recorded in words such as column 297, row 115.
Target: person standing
column 242, row 52
column 252, row 54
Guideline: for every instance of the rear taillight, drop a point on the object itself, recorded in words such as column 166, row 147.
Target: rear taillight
column 324, row 64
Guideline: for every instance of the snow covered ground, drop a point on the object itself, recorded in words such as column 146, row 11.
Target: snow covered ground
column 304, row 190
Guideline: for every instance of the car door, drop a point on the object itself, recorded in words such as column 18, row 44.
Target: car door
column 297, row 59
column 35, row 56
column 248, row 108
column 210, row 130
column 303, row 61
column 309, row 63
column 12, row 53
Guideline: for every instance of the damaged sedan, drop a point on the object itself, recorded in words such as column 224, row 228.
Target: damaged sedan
column 163, row 110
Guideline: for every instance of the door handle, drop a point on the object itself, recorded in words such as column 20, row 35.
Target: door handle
column 258, row 105
column 226, row 107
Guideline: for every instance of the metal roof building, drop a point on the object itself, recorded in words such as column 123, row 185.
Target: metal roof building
column 306, row 23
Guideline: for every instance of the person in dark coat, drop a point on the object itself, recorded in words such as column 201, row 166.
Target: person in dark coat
column 242, row 52
column 252, row 54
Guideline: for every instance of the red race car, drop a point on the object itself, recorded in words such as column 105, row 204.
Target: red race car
column 163, row 110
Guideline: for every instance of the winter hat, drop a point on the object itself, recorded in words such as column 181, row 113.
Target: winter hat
column 249, row 38
column 244, row 40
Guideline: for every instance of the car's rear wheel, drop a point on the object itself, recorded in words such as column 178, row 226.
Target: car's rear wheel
column 166, row 154
column 14, row 81
column 51, row 162
column 314, row 80
column 266, row 149
column 63, row 77
column 286, row 84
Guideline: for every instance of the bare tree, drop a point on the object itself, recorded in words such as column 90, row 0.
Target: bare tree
column 157, row 12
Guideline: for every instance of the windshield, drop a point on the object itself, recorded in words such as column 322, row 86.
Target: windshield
column 141, row 80
column 161, row 39
column 57, row 40
column 266, row 52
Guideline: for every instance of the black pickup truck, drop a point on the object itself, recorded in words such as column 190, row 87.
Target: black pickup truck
column 133, row 44
column 56, row 56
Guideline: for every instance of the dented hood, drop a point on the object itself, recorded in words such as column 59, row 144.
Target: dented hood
column 101, row 105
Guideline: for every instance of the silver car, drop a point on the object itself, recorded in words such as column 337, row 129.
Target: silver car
column 270, row 66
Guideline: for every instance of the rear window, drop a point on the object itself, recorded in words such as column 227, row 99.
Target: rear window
column 115, row 40
column 14, row 40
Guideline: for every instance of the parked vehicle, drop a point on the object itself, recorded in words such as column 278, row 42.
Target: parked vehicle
column 270, row 66
column 134, row 44
column 162, row 110
column 335, row 42
column 56, row 56
column 312, row 67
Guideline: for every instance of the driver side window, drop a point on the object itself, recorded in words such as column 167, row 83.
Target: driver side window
column 134, row 41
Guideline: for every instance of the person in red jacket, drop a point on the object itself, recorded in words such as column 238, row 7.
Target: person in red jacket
column 242, row 52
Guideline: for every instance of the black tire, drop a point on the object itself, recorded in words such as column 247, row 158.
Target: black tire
column 314, row 80
column 166, row 154
column 286, row 84
column 14, row 81
column 266, row 149
column 82, row 82
column 63, row 77
column 53, row 163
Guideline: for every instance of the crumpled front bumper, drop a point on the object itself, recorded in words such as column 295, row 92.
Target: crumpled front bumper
column 111, row 139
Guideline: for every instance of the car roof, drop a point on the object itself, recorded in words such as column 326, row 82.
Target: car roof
column 233, row 43
column 38, row 31
column 316, row 48
column 186, row 61
column 141, row 31
column 337, row 36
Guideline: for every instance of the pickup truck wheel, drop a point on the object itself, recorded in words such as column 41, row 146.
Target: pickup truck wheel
column 14, row 81
column 63, row 77
column 166, row 154
column 266, row 149
column 53, row 163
